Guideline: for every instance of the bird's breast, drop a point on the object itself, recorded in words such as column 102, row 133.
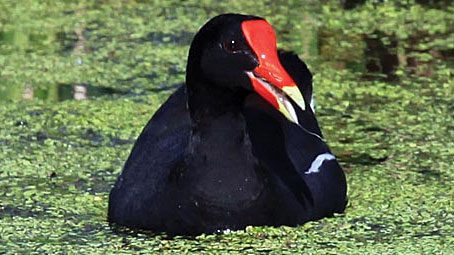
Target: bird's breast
column 222, row 169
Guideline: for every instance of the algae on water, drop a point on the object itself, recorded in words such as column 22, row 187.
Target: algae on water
column 384, row 91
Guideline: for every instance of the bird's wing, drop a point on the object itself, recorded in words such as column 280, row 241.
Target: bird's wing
column 319, row 168
column 306, row 148
column 299, row 72
column 165, row 134
column 160, row 148
column 299, row 158
column 302, row 76
column 268, row 145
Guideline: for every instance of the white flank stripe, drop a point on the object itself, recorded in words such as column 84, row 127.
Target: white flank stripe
column 315, row 166
column 312, row 104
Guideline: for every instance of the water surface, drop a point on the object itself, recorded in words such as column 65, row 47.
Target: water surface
column 79, row 80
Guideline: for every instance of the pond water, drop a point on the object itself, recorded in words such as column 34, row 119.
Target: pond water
column 79, row 80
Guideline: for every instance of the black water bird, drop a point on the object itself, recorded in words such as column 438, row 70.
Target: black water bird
column 238, row 145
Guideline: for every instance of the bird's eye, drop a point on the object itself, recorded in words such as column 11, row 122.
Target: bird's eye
column 233, row 46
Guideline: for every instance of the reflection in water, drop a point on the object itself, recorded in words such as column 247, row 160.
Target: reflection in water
column 80, row 92
column 58, row 92
column 80, row 43
column 381, row 58
column 28, row 93
column 365, row 53
column 84, row 91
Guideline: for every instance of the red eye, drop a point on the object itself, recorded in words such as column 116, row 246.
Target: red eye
column 232, row 46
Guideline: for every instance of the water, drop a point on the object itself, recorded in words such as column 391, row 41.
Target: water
column 79, row 80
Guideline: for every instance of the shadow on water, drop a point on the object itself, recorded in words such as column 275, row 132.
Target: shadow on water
column 58, row 92
column 84, row 91
column 371, row 56
column 381, row 54
column 16, row 211
column 62, row 92
column 375, row 60
column 74, row 43
column 68, row 41
column 381, row 58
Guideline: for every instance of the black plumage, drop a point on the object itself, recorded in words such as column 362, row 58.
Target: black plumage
column 217, row 156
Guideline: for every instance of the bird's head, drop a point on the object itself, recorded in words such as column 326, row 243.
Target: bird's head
column 239, row 52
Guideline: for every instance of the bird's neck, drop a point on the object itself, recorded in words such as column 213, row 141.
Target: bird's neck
column 208, row 101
